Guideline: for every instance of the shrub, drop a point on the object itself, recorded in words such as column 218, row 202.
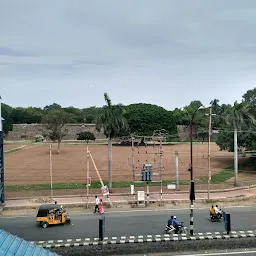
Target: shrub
column 39, row 138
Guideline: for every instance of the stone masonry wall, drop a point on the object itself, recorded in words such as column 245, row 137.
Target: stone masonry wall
column 29, row 131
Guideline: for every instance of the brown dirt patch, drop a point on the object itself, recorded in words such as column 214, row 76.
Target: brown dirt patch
column 31, row 165
column 12, row 146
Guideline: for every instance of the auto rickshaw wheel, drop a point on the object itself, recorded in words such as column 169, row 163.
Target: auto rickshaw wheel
column 45, row 224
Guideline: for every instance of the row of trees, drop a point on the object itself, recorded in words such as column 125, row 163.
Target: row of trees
column 144, row 119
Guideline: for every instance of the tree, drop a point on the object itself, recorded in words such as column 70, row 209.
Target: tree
column 76, row 115
column 144, row 119
column 6, row 114
column 92, row 114
column 55, row 121
column 250, row 97
column 200, row 122
column 180, row 117
column 235, row 118
column 86, row 136
column 51, row 107
column 26, row 115
column 113, row 123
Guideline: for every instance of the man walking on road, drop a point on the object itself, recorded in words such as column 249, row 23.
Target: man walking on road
column 97, row 201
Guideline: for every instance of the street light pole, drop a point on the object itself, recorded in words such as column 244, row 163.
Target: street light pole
column 209, row 152
column 191, row 179
column 192, row 184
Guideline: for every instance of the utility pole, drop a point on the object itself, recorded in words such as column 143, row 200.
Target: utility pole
column 133, row 169
column 235, row 156
column 177, row 169
column 161, row 167
column 209, row 152
column 51, row 170
column 192, row 183
column 87, row 175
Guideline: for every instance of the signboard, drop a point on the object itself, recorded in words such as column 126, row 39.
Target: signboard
column 140, row 195
column 171, row 186
column 104, row 190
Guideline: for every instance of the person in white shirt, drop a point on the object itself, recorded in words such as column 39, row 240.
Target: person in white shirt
column 97, row 202
column 218, row 210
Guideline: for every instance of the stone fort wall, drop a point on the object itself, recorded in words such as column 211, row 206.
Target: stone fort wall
column 29, row 131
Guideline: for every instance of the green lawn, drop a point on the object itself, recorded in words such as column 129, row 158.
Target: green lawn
column 220, row 177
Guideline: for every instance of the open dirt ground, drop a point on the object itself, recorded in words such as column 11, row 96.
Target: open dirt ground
column 10, row 146
column 31, row 164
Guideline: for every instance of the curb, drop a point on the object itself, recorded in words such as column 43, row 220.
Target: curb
column 179, row 192
column 143, row 239
column 131, row 202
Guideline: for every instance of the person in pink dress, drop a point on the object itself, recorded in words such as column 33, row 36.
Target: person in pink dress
column 101, row 207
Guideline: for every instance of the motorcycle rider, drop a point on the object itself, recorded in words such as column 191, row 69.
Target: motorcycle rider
column 218, row 210
column 170, row 224
column 212, row 211
column 176, row 224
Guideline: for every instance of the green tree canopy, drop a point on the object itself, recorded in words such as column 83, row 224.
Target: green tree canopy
column 144, row 119
column 6, row 114
column 237, row 117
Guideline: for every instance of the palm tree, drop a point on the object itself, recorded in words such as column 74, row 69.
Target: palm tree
column 113, row 123
column 237, row 116
column 215, row 104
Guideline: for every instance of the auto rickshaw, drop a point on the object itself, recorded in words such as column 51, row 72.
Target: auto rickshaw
column 52, row 214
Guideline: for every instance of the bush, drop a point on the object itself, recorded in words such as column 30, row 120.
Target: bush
column 86, row 136
column 39, row 138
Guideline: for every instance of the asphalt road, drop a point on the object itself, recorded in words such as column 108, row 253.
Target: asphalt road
column 125, row 223
column 247, row 252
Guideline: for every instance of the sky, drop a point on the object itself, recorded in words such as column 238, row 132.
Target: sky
column 163, row 52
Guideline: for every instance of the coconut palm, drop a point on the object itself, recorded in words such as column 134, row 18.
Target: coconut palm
column 237, row 116
column 113, row 124
column 215, row 105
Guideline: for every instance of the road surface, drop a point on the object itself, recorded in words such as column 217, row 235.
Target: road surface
column 251, row 252
column 128, row 223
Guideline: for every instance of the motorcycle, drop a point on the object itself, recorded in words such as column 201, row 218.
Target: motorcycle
column 216, row 217
column 181, row 229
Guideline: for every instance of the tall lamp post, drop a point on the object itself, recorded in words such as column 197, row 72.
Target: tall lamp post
column 209, row 151
column 192, row 184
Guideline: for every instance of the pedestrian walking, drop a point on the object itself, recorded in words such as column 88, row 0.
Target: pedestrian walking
column 97, row 202
column 101, row 207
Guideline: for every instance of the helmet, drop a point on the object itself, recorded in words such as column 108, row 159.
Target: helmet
column 174, row 217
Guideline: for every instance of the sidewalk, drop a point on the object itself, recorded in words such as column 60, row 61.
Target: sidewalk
column 117, row 199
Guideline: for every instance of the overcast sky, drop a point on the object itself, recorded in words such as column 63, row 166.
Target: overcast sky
column 164, row 52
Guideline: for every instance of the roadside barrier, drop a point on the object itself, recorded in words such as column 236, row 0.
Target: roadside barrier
column 143, row 239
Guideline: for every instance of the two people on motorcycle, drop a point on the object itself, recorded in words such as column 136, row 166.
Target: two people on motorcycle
column 173, row 224
column 216, row 211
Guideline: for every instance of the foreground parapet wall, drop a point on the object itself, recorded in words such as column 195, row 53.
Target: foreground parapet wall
column 151, row 243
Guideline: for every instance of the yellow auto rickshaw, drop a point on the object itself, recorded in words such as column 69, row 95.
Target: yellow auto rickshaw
column 52, row 214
